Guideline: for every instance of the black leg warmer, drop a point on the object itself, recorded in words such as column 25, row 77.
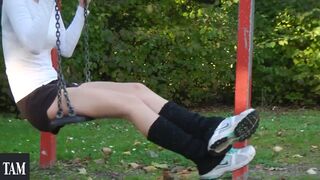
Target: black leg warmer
column 192, row 123
column 169, row 136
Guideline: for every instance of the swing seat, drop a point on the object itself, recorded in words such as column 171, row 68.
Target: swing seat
column 48, row 139
column 58, row 123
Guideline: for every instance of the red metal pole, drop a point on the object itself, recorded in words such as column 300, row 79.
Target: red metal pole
column 48, row 140
column 47, row 150
column 244, row 69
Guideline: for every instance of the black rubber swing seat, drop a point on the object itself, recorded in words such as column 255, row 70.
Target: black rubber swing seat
column 58, row 123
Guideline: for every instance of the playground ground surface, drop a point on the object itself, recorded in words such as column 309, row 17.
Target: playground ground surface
column 287, row 144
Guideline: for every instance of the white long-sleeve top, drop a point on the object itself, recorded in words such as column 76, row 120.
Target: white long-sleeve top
column 28, row 35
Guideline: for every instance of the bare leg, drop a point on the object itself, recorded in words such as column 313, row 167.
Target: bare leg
column 190, row 122
column 102, row 102
column 98, row 103
column 150, row 98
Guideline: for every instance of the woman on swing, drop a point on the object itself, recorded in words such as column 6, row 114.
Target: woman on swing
column 28, row 35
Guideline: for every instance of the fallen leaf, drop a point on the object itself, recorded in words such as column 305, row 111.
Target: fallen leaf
column 177, row 169
column 153, row 154
column 277, row 148
column 259, row 166
column 191, row 168
column 271, row 169
column 312, row 171
column 276, row 169
column 134, row 165
column 127, row 153
column 106, row 151
column 314, row 147
column 136, row 143
column 76, row 161
column 297, row 156
column 69, row 138
column 187, row 174
column 185, row 171
column 280, row 133
column 99, row 161
column 166, row 175
column 82, row 171
column 149, row 168
column 160, row 166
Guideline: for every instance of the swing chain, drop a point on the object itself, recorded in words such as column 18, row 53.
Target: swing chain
column 61, row 81
column 86, row 44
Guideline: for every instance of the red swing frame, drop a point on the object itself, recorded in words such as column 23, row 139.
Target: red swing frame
column 242, row 86
column 48, row 140
column 244, row 69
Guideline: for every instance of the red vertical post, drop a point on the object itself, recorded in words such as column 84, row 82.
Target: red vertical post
column 48, row 140
column 244, row 69
column 47, row 150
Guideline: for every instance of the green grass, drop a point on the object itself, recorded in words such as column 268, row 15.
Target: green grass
column 297, row 132
column 79, row 146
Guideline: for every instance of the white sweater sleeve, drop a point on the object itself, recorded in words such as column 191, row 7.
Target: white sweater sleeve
column 71, row 35
column 31, row 31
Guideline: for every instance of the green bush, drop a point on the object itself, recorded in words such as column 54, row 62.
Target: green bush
column 180, row 49
column 6, row 99
column 287, row 53
column 186, row 51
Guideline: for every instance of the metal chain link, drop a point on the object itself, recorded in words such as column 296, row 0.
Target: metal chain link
column 86, row 44
column 61, row 81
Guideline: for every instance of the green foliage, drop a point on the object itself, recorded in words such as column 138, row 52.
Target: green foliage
column 178, row 48
column 6, row 99
column 288, row 55
column 186, row 51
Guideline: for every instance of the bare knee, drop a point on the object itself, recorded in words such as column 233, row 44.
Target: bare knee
column 142, row 91
column 139, row 87
column 131, row 106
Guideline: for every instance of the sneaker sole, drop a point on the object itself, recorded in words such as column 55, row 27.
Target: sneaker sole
column 243, row 131
column 218, row 173
column 247, row 127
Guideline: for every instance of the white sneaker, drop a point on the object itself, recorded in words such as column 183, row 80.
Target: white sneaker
column 234, row 159
column 232, row 129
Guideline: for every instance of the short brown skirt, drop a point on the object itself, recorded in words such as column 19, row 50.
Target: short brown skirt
column 34, row 106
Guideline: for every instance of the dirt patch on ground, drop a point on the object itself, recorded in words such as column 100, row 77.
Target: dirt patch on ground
column 285, row 172
column 259, row 172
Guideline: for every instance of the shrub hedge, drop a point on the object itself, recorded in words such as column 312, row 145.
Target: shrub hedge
column 186, row 51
